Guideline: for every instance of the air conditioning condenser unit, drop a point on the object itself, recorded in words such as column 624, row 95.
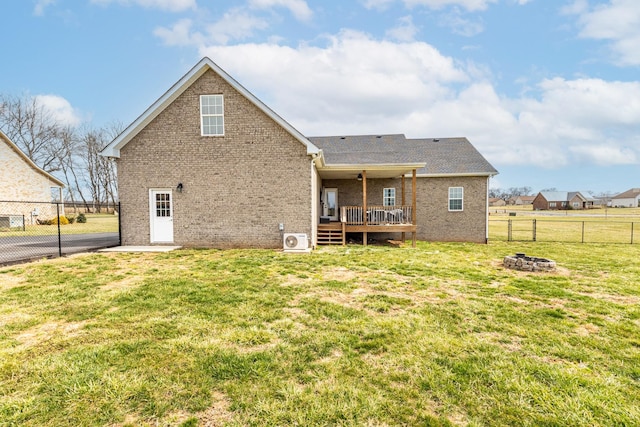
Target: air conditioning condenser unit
column 296, row 242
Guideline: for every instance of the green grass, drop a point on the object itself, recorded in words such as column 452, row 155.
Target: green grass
column 96, row 223
column 574, row 228
column 439, row 335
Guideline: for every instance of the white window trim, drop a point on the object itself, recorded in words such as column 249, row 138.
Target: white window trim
column 461, row 200
column 202, row 116
column 384, row 196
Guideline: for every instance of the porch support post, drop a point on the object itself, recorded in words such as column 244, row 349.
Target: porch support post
column 404, row 202
column 414, row 203
column 364, row 206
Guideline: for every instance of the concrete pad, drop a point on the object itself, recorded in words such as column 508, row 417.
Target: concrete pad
column 140, row 249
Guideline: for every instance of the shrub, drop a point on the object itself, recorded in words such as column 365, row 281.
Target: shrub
column 44, row 221
column 81, row 219
column 63, row 220
column 71, row 219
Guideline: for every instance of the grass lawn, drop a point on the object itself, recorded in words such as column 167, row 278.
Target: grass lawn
column 375, row 336
column 96, row 223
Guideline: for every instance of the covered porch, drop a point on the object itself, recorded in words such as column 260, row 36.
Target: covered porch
column 336, row 219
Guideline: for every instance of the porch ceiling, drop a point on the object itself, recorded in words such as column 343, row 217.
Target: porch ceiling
column 373, row 171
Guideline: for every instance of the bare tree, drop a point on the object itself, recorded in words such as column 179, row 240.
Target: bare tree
column 100, row 173
column 33, row 129
column 71, row 153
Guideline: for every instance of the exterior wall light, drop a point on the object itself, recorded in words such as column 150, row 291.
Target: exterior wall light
column 179, row 188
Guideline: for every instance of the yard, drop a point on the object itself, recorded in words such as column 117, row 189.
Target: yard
column 438, row 335
column 96, row 223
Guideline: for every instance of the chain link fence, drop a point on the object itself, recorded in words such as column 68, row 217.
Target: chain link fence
column 567, row 231
column 33, row 230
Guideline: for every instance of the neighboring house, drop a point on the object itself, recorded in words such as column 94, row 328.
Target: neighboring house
column 559, row 200
column 208, row 164
column 522, row 200
column 628, row 199
column 22, row 181
column 496, row 201
column 590, row 202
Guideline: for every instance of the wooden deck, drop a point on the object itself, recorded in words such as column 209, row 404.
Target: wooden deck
column 334, row 233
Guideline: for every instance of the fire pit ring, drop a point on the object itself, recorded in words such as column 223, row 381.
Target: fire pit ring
column 521, row 262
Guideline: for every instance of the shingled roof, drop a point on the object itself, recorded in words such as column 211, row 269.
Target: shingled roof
column 443, row 156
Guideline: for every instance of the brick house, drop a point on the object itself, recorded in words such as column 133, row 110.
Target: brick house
column 208, row 164
column 24, row 182
column 521, row 200
column 560, row 200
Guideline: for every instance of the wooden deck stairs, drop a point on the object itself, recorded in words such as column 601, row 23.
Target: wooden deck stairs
column 330, row 234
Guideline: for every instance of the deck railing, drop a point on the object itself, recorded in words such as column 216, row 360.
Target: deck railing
column 376, row 215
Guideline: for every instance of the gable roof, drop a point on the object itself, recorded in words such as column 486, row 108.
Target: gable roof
column 561, row 196
column 430, row 156
column 205, row 64
column 629, row 194
column 28, row 161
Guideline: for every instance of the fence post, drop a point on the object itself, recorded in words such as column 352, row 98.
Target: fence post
column 509, row 236
column 119, row 224
column 24, row 226
column 582, row 231
column 59, row 235
column 632, row 232
column 535, row 228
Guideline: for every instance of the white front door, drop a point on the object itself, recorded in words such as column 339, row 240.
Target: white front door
column 161, row 213
column 330, row 203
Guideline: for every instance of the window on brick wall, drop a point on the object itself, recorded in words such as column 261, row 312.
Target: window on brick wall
column 212, row 115
column 389, row 197
column 455, row 198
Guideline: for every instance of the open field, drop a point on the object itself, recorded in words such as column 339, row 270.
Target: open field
column 588, row 213
column 96, row 223
column 438, row 335
column 612, row 225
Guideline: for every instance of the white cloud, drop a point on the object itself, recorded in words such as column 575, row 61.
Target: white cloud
column 59, row 108
column 405, row 31
column 470, row 5
column 235, row 24
column 169, row 5
column 617, row 22
column 409, row 87
column 299, row 8
column 41, row 5
column 461, row 26
column 607, row 153
column 179, row 34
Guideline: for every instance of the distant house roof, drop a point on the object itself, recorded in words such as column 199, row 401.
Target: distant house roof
column 434, row 157
column 629, row 194
column 561, row 196
column 30, row 162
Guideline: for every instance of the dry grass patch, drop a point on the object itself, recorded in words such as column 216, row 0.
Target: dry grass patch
column 39, row 334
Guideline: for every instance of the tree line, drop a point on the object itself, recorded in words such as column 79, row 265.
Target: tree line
column 70, row 153
column 509, row 193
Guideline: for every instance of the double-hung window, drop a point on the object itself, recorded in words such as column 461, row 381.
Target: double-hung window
column 212, row 115
column 389, row 197
column 455, row 198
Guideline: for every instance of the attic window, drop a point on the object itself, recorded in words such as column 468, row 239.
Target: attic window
column 212, row 115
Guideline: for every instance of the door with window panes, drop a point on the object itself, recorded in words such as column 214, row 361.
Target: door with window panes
column 161, row 212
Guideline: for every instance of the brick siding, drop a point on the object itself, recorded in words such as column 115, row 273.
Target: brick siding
column 237, row 188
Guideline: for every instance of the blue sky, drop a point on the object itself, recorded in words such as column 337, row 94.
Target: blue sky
column 548, row 91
